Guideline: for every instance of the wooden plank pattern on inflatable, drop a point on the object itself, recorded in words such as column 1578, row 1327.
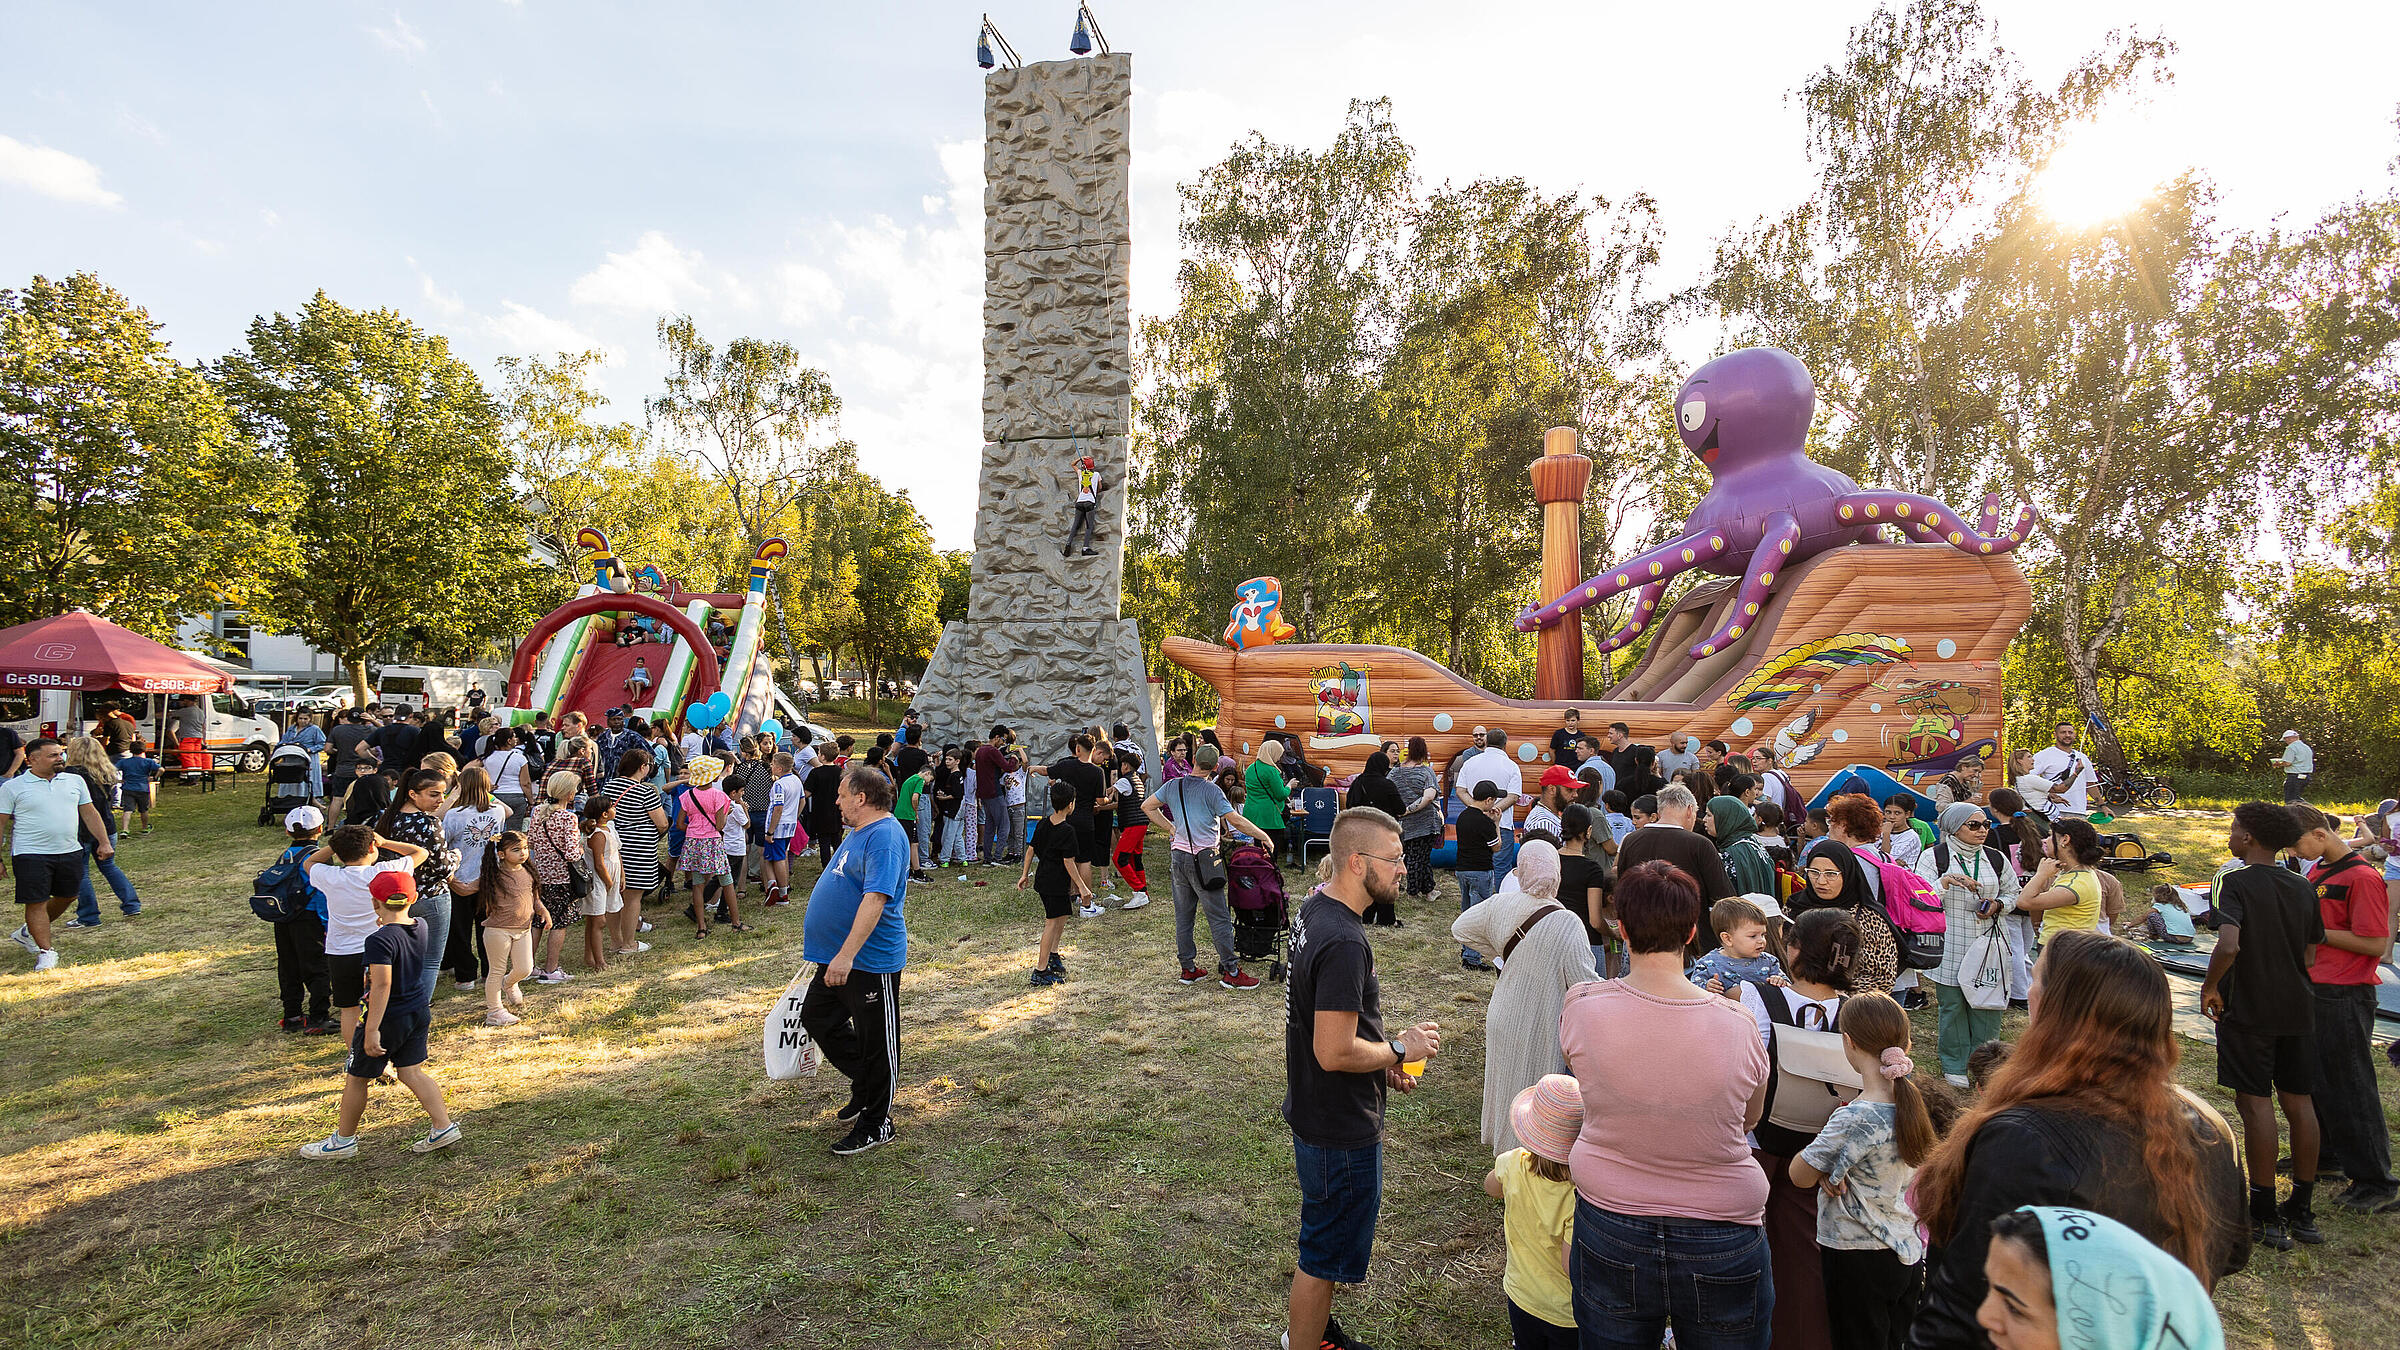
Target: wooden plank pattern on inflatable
column 1882, row 654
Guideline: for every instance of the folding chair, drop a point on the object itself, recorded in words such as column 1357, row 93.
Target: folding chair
column 1318, row 807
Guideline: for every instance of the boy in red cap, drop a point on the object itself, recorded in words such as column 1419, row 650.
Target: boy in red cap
column 1087, row 507
column 393, row 1030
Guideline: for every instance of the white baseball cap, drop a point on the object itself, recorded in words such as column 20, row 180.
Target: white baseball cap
column 304, row 818
column 2291, row 735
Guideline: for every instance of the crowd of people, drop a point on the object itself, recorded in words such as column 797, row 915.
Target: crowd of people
column 1700, row 1080
column 1706, row 1107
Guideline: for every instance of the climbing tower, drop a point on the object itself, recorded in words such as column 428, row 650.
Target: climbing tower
column 1045, row 647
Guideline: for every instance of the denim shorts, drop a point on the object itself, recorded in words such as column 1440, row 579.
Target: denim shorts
column 1341, row 1192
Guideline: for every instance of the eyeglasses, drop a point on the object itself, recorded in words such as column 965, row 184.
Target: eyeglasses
column 1395, row 859
column 1976, row 825
column 1821, row 874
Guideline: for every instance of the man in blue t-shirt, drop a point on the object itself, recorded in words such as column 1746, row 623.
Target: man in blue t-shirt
column 857, row 935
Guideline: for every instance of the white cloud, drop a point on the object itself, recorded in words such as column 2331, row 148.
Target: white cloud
column 444, row 302
column 53, row 173
column 655, row 277
column 526, row 329
column 399, row 37
column 804, row 294
column 267, row 217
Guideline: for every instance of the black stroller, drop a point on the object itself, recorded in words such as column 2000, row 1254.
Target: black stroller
column 1262, row 915
column 287, row 782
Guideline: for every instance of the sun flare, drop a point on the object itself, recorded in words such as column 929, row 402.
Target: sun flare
column 2101, row 172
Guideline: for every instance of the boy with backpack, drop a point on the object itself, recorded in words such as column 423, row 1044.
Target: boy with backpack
column 283, row 897
column 399, row 1014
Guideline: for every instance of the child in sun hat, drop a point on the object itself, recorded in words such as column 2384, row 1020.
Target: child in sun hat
column 702, row 857
column 1539, row 1218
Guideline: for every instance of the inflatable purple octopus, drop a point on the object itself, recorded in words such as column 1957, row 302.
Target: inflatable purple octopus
column 1746, row 416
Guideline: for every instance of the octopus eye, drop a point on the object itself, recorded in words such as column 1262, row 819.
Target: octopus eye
column 1694, row 413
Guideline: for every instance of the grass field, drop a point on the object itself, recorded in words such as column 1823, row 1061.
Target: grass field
column 1097, row 1164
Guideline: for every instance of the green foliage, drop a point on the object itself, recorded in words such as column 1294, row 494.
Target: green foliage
column 957, row 576
column 899, row 588
column 408, row 533
column 124, row 487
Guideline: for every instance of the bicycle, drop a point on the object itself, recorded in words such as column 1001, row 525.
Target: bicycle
column 2132, row 787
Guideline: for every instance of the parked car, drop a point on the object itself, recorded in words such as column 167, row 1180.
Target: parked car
column 324, row 698
column 419, row 687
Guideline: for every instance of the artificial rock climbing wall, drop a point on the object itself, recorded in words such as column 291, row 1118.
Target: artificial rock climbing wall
column 1045, row 647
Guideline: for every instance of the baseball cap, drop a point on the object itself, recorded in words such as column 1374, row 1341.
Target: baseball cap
column 1558, row 775
column 1486, row 790
column 1767, row 904
column 2291, row 735
column 389, row 884
column 303, row 818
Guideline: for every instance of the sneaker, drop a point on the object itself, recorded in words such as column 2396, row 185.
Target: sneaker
column 1058, row 964
column 1043, row 979
column 2365, row 1199
column 1956, row 1080
column 1092, row 911
column 1336, row 1338
column 552, row 977
column 2265, row 1234
column 295, row 1023
column 1237, row 980
column 321, row 1026
column 466, row 986
column 439, row 1139
column 645, row 926
column 23, row 937
column 331, row 1148
column 78, row 923
column 1140, row 898
column 1191, row 976
column 499, row 1017
column 2300, row 1223
column 48, row 960
column 850, row 1110
column 860, row 1139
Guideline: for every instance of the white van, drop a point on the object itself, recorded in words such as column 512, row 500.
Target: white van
column 237, row 736
column 421, row 687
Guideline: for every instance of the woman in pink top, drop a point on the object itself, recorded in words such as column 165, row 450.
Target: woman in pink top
column 703, row 856
column 1669, row 1202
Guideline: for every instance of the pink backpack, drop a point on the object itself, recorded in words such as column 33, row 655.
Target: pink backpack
column 1915, row 910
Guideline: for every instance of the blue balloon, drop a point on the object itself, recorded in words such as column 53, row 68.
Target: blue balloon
column 772, row 728
column 721, row 702
column 700, row 715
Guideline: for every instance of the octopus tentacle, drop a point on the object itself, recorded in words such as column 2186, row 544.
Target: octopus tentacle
column 1782, row 534
column 1668, row 560
column 1638, row 622
column 1880, row 506
column 1989, row 521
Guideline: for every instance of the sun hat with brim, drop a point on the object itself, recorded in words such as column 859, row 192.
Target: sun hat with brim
column 386, row 885
column 1548, row 1116
column 703, row 770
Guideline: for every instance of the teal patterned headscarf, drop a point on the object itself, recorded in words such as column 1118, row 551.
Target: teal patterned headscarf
column 2115, row 1291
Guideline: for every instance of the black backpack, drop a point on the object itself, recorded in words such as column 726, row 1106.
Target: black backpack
column 282, row 891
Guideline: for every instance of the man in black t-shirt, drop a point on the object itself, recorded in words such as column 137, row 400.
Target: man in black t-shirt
column 1672, row 839
column 2257, row 989
column 1338, row 1063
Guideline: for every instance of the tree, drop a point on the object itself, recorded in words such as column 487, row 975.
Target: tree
column 899, row 587
column 124, row 487
column 756, row 417
column 957, row 575
column 574, row 469
column 1265, row 411
column 406, row 524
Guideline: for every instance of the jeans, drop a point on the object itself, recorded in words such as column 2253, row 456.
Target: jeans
column 87, row 900
column 1473, row 889
column 1963, row 1028
column 1189, row 896
column 1086, row 514
column 2295, row 788
column 991, row 825
column 1016, row 832
column 1634, row 1277
column 433, row 906
column 954, row 841
column 2349, row 1106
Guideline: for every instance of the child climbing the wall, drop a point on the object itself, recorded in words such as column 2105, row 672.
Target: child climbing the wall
column 1087, row 507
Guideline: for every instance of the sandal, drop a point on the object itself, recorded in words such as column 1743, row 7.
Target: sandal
column 700, row 933
column 740, row 927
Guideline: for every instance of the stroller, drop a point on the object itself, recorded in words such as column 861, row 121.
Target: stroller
column 1261, row 912
column 287, row 782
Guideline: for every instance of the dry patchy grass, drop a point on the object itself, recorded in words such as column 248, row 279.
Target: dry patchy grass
column 1100, row 1163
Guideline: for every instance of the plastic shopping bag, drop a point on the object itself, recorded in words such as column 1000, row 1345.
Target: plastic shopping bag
column 790, row 1051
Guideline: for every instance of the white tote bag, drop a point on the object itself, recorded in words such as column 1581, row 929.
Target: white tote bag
column 790, row 1051
column 1983, row 969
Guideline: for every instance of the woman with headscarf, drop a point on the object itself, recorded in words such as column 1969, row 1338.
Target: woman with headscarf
column 2058, row 1275
column 1978, row 890
column 1373, row 787
column 1542, row 954
column 1735, row 831
column 1836, row 880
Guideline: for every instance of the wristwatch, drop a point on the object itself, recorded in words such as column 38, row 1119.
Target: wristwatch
column 1399, row 1054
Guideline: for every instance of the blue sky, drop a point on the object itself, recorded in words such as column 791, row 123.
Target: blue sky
column 531, row 176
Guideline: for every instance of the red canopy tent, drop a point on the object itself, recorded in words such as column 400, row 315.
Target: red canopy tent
column 80, row 651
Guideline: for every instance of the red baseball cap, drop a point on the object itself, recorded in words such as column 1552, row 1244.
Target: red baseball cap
column 388, row 884
column 1559, row 775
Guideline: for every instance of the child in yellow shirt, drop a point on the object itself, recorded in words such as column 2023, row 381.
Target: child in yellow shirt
column 1539, row 1218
